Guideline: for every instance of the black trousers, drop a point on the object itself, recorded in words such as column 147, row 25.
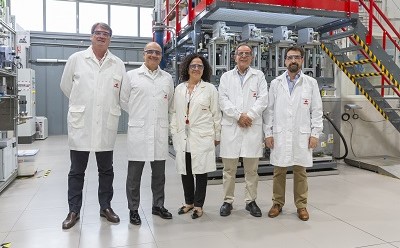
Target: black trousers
column 76, row 177
column 194, row 195
column 134, row 177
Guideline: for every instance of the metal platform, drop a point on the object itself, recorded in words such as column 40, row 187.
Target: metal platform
column 385, row 165
column 265, row 14
column 322, row 166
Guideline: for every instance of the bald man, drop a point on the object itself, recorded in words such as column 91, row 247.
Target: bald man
column 146, row 98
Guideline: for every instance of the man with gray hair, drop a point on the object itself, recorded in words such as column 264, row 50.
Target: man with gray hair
column 92, row 81
column 243, row 96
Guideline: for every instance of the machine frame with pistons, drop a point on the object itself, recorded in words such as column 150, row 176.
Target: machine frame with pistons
column 214, row 27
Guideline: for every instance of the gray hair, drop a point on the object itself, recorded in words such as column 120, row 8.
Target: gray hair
column 103, row 25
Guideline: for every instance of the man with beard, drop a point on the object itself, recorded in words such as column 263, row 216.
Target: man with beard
column 292, row 125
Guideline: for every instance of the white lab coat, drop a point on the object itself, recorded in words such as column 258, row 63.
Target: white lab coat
column 291, row 119
column 93, row 93
column 204, row 127
column 234, row 99
column 147, row 100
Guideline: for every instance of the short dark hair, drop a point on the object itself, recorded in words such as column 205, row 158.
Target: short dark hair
column 103, row 25
column 184, row 67
column 243, row 44
column 295, row 48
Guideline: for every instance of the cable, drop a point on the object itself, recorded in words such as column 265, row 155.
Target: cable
column 351, row 139
column 346, row 149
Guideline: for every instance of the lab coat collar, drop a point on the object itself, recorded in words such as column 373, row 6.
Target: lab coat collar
column 200, row 88
column 143, row 69
column 283, row 80
column 90, row 55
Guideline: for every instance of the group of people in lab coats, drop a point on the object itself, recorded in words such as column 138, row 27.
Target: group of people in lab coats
column 243, row 117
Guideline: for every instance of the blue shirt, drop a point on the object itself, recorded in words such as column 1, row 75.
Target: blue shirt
column 291, row 83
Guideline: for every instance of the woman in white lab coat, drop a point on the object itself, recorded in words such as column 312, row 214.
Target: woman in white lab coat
column 195, row 128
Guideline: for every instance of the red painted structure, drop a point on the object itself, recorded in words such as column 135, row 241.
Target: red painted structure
column 345, row 6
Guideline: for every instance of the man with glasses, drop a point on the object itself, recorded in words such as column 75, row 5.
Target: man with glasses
column 92, row 81
column 292, row 125
column 243, row 96
column 147, row 97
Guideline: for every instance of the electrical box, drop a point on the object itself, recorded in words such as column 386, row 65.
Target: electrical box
column 41, row 128
column 8, row 149
column 281, row 34
column 220, row 30
column 307, row 36
column 27, row 90
column 251, row 33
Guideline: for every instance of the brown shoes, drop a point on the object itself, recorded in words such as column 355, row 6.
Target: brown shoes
column 275, row 210
column 303, row 214
column 70, row 221
column 109, row 214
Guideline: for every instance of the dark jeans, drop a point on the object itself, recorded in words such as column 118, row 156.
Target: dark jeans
column 76, row 177
column 135, row 170
column 194, row 195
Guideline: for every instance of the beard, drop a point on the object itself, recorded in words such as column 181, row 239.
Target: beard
column 294, row 67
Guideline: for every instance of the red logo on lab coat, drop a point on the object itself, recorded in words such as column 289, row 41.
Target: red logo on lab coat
column 165, row 96
column 306, row 101
column 255, row 94
column 116, row 85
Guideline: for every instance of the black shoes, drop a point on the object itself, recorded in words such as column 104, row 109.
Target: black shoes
column 162, row 212
column 109, row 214
column 134, row 217
column 70, row 221
column 253, row 209
column 225, row 209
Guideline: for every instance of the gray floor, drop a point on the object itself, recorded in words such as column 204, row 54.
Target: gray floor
column 356, row 208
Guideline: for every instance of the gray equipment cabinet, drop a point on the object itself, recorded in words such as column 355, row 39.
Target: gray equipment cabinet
column 8, row 106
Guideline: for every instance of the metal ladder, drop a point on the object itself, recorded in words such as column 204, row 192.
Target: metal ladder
column 375, row 55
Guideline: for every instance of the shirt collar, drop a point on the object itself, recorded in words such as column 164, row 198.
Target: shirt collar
column 145, row 69
column 240, row 74
column 295, row 78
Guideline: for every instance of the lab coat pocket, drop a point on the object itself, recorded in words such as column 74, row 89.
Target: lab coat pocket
column 254, row 92
column 206, row 141
column 117, row 81
column 113, row 118
column 76, row 116
column 306, row 99
column 204, row 104
column 304, row 136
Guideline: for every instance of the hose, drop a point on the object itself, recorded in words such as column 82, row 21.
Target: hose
column 341, row 136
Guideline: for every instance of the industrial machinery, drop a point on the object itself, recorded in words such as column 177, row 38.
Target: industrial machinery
column 8, row 103
column 270, row 28
column 27, row 94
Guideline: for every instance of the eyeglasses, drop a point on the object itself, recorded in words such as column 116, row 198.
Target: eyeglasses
column 196, row 67
column 244, row 54
column 102, row 33
column 153, row 52
column 296, row 57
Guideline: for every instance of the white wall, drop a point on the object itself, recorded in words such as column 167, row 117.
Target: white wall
column 369, row 138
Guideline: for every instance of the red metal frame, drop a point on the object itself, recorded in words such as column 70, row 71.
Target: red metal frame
column 347, row 6
column 372, row 17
